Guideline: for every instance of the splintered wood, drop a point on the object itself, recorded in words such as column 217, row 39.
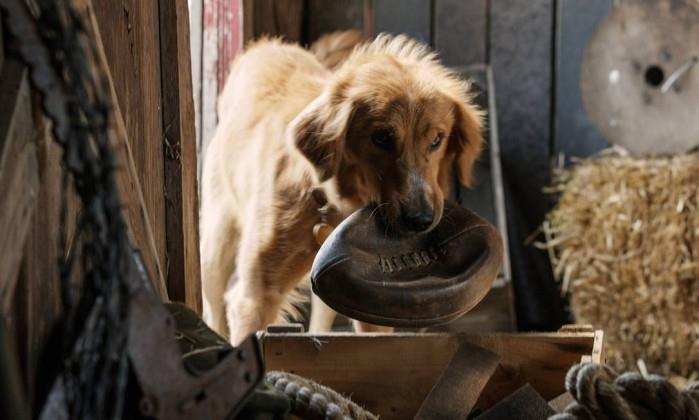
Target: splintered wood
column 624, row 240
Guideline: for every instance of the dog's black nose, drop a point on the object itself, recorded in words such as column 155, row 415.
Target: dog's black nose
column 418, row 221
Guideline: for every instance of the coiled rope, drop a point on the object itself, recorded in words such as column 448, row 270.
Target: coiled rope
column 312, row 401
column 600, row 393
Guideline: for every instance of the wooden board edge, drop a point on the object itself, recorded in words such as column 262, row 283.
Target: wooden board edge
column 180, row 156
column 598, row 355
column 135, row 212
column 19, row 175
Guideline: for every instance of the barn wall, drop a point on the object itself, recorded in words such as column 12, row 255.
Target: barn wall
column 146, row 46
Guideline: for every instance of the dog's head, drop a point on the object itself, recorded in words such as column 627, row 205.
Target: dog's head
column 390, row 127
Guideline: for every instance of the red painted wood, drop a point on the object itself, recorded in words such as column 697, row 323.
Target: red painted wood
column 223, row 18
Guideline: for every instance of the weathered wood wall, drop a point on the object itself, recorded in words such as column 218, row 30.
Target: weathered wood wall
column 221, row 39
column 144, row 48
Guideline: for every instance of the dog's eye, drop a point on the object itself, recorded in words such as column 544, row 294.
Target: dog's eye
column 383, row 139
column 437, row 141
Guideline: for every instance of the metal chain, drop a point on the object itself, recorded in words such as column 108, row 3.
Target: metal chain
column 53, row 41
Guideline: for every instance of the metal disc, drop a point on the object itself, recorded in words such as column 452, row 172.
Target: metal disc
column 640, row 76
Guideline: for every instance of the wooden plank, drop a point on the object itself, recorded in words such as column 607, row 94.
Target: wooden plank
column 521, row 52
column 461, row 383
column 598, row 355
column 562, row 401
column 12, row 397
column 329, row 16
column 37, row 299
column 2, row 45
column 523, row 404
column 132, row 47
column 181, row 211
column 460, row 31
column 390, row 374
column 576, row 21
column 19, row 175
column 273, row 18
column 196, row 26
column 135, row 210
column 222, row 39
column 521, row 48
column 410, row 17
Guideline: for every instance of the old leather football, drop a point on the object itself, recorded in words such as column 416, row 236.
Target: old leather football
column 371, row 275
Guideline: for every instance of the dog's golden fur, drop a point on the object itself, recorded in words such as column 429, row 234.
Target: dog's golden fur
column 386, row 127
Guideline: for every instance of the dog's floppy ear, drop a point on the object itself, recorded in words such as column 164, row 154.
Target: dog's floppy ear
column 467, row 137
column 319, row 132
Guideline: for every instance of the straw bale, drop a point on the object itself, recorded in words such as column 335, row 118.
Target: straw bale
column 624, row 240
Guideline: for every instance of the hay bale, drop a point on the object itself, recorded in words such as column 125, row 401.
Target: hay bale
column 624, row 240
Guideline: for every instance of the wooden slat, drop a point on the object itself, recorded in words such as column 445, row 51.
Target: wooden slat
column 521, row 53
column 521, row 48
column 181, row 211
column 456, row 391
column 460, row 31
column 273, row 18
column 19, row 175
column 329, row 16
column 135, row 210
column 2, row 46
column 196, row 32
column 222, row 39
column 410, row 17
column 598, row 355
column 390, row 374
column 576, row 21
column 562, row 401
column 37, row 298
column 523, row 404
column 129, row 33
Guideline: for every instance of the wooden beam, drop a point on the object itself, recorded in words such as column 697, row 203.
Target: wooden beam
column 461, row 31
column 460, row 385
column 135, row 210
column 129, row 30
column 410, row 17
column 2, row 46
column 19, row 175
column 273, row 18
column 329, row 16
column 181, row 204
column 196, row 33
column 521, row 48
column 222, row 39
column 37, row 302
column 521, row 53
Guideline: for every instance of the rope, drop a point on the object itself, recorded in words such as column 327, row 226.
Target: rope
column 600, row 393
column 312, row 401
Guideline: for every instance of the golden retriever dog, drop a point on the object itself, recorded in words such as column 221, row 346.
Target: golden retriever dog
column 384, row 127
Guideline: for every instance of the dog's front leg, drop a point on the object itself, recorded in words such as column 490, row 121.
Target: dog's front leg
column 360, row 326
column 249, row 309
column 322, row 316
column 261, row 285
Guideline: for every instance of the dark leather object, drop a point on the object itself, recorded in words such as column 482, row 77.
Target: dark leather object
column 407, row 281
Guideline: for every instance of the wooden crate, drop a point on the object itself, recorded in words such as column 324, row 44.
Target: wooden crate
column 391, row 374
